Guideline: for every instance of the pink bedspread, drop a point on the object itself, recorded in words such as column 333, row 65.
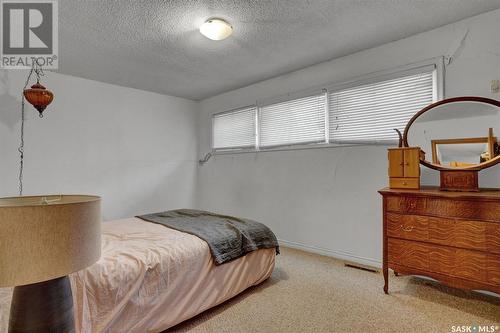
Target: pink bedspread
column 150, row 278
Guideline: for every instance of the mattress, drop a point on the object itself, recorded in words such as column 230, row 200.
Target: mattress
column 151, row 277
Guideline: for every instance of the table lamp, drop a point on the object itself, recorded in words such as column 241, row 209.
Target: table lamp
column 42, row 240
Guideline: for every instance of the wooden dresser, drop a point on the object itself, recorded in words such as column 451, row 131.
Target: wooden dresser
column 453, row 237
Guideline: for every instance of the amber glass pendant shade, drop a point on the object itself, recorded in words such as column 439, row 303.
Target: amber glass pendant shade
column 39, row 97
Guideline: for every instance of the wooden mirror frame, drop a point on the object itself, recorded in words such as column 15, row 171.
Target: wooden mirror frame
column 428, row 164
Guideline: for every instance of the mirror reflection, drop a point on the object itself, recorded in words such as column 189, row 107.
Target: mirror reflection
column 458, row 134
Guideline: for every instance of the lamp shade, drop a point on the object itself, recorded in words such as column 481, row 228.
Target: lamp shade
column 46, row 237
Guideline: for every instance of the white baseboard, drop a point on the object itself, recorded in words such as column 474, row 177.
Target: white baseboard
column 342, row 255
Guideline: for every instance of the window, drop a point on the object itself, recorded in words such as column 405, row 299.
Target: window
column 361, row 112
column 300, row 120
column 370, row 112
column 234, row 129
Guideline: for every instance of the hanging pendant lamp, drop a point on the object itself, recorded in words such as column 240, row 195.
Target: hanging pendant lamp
column 38, row 96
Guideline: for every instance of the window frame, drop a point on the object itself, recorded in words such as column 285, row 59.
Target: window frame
column 387, row 76
column 290, row 97
column 401, row 71
column 232, row 149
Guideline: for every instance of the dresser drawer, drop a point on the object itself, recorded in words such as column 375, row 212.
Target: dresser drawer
column 443, row 207
column 412, row 227
column 408, row 253
column 454, row 262
column 402, row 204
column 460, row 233
column 467, row 234
column 460, row 263
column 411, row 183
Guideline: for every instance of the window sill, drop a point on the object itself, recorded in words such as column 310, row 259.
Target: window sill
column 304, row 147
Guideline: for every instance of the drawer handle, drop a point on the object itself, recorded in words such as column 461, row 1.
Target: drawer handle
column 407, row 229
column 405, row 205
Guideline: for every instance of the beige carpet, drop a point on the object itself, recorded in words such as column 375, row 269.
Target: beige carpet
column 312, row 293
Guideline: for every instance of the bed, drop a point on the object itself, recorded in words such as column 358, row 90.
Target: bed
column 151, row 277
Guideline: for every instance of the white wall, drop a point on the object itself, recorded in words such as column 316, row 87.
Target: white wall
column 136, row 149
column 326, row 199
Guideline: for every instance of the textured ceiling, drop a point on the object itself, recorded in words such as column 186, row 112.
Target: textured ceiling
column 155, row 45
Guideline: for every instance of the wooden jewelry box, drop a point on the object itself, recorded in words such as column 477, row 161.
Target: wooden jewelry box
column 404, row 167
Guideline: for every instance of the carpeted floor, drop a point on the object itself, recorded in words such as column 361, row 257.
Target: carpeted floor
column 313, row 293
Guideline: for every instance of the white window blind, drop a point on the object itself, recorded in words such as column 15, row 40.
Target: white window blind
column 234, row 129
column 370, row 112
column 300, row 120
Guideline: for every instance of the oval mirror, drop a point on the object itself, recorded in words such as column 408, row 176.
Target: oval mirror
column 457, row 133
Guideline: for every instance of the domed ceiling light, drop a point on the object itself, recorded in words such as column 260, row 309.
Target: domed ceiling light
column 216, row 29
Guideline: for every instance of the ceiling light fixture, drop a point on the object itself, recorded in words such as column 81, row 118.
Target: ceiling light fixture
column 216, row 29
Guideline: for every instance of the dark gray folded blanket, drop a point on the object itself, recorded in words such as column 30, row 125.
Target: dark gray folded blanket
column 228, row 237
